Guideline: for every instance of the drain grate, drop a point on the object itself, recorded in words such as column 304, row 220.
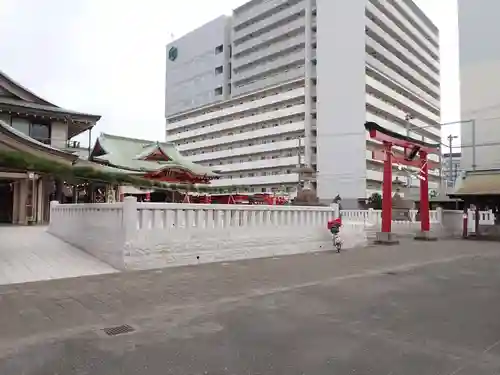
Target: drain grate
column 118, row 330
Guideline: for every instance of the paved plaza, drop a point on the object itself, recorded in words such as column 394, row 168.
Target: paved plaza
column 31, row 254
column 415, row 308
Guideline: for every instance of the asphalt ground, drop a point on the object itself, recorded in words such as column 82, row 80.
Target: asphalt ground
column 415, row 308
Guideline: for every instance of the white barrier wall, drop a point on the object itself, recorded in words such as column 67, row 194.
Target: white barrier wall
column 453, row 221
column 486, row 218
column 96, row 228
column 133, row 235
column 372, row 221
column 448, row 223
column 375, row 216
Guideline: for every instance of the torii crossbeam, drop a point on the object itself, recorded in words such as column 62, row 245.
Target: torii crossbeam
column 412, row 148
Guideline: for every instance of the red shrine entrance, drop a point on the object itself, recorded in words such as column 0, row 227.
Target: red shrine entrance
column 412, row 148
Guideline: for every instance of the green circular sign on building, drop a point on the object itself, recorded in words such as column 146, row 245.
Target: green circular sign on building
column 173, row 53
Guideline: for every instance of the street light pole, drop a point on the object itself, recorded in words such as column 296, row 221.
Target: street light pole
column 408, row 117
column 450, row 158
column 299, row 164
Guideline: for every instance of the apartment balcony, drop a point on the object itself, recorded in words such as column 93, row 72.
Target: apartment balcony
column 257, row 70
column 255, row 11
column 397, row 97
column 248, row 150
column 292, row 28
column 246, row 136
column 257, row 180
column 394, row 59
column 278, row 19
column 233, row 124
column 402, row 35
column 257, row 164
column 417, row 35
column 275, row 79
column 272, row 49
column 402, row 53
column 378, row 66
column 238, row 108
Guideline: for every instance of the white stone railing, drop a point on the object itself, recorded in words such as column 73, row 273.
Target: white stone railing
column 176, row 216
column 485, row 218
column 372, row 221
column 133, row 235
column 453, row 221
column 147, row 235
column 373, row 216
column 448, row 222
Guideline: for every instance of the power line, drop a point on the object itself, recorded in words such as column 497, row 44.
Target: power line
column 482, row 109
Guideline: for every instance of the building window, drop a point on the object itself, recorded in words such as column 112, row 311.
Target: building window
column 218, row 90
column 219, row 70
column 21, row 124
column 219, row 49
column 38, row 131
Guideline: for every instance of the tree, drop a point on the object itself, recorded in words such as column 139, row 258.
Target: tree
column 375, row 201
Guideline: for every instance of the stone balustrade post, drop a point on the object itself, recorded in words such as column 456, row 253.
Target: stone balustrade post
column 371, row 216
column 439, row 213
column 336, row 210
column 52, row 215
column 129, row 220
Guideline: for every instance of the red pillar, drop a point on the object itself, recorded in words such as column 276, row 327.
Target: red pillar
column 425, row 225
column 387, row 190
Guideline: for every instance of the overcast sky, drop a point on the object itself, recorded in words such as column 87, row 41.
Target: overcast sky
column 108, row 56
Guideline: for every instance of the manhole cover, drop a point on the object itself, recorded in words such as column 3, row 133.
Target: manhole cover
column 118, row 330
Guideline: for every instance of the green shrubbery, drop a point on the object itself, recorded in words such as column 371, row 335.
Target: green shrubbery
column 18, row 160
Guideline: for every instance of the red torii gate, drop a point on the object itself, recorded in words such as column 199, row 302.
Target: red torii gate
column 412, row 148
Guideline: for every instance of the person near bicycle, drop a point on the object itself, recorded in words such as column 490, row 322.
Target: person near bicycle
column 334, row 225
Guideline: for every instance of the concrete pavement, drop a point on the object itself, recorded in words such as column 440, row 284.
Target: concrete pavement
column 415, row 308
column 31, row 254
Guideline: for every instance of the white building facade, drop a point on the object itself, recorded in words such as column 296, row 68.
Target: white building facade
column 295, row 82
column 479, row 90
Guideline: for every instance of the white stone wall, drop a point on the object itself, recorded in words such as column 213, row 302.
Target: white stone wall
column 190, row 234
column 95, row 228
column 133, row 235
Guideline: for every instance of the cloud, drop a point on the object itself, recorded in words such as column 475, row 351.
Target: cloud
column 108, row 57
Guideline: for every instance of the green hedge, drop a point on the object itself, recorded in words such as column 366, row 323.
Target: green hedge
column 24, row 161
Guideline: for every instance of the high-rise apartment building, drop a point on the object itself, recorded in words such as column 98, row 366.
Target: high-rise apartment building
column 288, row 82
column 451, row 168
column 478, row 31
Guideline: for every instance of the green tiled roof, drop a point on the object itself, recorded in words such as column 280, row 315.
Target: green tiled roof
column 128, row 153
column 46, row 108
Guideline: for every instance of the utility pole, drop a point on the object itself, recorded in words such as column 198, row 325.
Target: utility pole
column 450, row 158
column 408, row 117
column 299, row 164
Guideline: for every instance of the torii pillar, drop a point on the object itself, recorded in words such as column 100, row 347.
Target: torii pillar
column 412, row 148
